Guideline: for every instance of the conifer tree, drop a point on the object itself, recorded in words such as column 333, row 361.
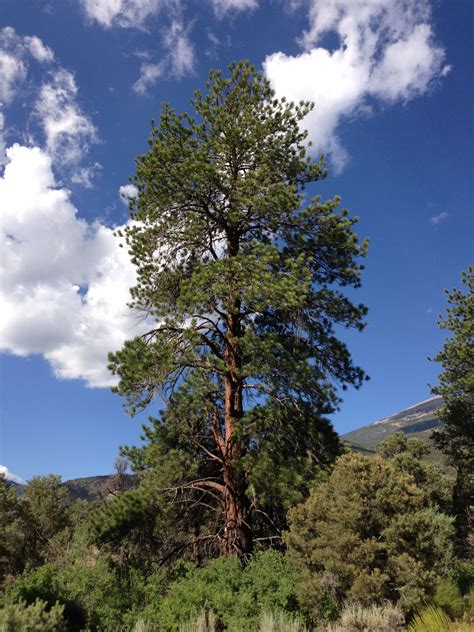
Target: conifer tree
column 456, row 385
column 240, row 278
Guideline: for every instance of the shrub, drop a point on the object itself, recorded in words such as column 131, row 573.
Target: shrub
column 237, row 597
column 367, row 534
column 90, row 593
column 21, row 617
column 448, row 597
column 431, row 619
column 281, row 622
column 354, row 617
column 206, row 621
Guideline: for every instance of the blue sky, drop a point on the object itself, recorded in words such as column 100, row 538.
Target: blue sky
column 80, row 81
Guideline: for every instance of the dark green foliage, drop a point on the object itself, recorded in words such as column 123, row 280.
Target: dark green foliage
column 88, row 589
column 14, row 537
column 36, row 617
column 409, row 456
column 368, row 533
column 448, row 597
column 45, row 504
column 455, row 592
column 235, row 595
column 30, row 524
column 456, row 385
column 242, row 287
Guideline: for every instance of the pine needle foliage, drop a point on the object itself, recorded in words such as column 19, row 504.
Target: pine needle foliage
column 456, row 385
column 241, row 281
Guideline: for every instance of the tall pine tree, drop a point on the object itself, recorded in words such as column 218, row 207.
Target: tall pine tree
column 456, row 385
column 242, row 281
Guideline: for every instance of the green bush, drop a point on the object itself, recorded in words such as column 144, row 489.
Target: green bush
column 238, row 597
column 89, row 592
column 21, row 617
column 463, row 575
column 448, row 597
column 367, row 534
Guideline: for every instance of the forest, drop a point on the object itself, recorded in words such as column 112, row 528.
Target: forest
column 246, row 511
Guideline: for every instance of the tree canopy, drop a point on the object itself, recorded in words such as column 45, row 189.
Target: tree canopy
column 456, row 385
column 368, row 533
column 241, row 278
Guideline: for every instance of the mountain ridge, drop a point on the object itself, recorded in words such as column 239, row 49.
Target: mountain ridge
column 418, row 421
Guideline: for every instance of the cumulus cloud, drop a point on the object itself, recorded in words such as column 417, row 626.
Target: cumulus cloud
column 386, row 52
column 64, row 283
column 9, row 475
column 439, row 219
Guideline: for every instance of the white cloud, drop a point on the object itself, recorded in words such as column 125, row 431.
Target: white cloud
column 85, row 175
column 127, row 192
column 68, row 131
column 53, row 116
column 122, row 13
column 178, row 61
column 221, row 7
column 2, row 140
column 39, row 51
column 181, row 50
column 149, row 74
column 15, row 52
column 439, row 219
column 64, row 283
column 9, row 475
column 12, row 73
column 386, row 51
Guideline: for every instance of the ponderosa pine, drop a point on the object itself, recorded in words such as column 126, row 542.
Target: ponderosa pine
column 240, row 278
column 455, row 437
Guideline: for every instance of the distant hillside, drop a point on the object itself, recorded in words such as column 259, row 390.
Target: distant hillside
column 96, row 487
column 90, row 487
column 418, row 421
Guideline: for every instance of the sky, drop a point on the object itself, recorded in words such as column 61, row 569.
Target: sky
column 80, row 81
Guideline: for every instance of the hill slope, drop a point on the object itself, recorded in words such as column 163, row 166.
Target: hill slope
column 417, row 421
column 97, row 487
column 90, row 487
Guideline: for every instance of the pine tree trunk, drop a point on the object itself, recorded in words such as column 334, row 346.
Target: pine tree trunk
column 237, row 539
